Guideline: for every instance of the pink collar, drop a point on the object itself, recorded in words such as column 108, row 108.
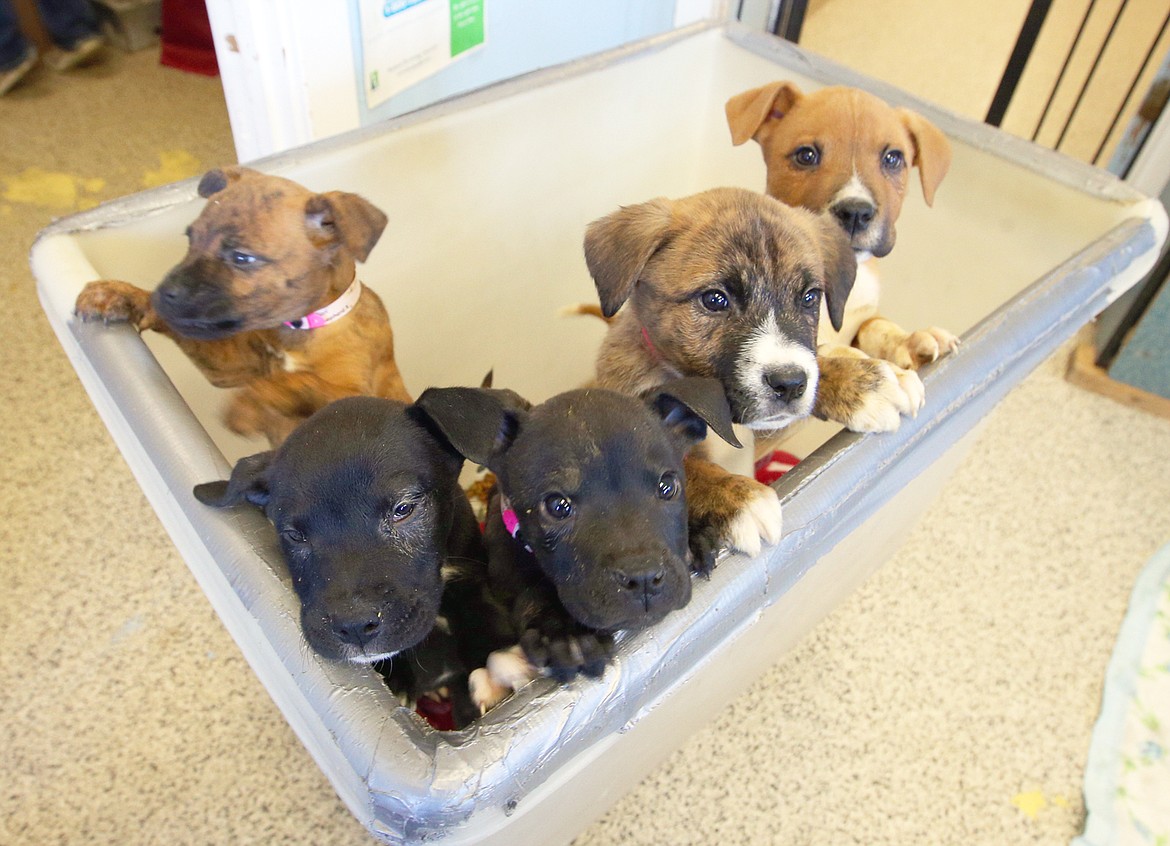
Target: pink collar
column 511, row 521
column 336, row 310
column 650, row 344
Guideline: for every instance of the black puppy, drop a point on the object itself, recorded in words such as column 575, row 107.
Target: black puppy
column 382, row 547
column 587, row 531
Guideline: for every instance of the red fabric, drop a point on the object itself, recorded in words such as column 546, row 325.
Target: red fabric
column 187, row 43
column 439, row 714
column 769, row 469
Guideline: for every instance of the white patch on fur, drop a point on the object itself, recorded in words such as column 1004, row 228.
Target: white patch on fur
column 901, row 393
column 854, row 189
column 860, row 306
column 732, row 459
column 758, row 521
column 770, row 348
column 357, row 657
column 507, row 671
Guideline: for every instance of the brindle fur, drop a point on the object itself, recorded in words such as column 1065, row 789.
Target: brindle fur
column 307, row 245
column 651, row 261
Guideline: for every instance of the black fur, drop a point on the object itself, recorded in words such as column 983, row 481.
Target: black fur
column 381, row 544
column 618, row 557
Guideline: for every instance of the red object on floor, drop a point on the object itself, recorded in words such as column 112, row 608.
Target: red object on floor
column 187, row 43
column 438, row 713
column 769, row 469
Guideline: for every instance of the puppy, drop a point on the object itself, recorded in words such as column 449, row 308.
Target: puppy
column 267, row 300
column 587, row 530
column 726, row 284
column 844, row 151
column 382, row 548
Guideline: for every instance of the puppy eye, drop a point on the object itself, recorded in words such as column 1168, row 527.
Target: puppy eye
column 714, row 300
column 669, row 486
column 811, row 298
column 294, row 536
column 242, row 259
column 558, row 506
column 893, row 160
column 806, row 156
column 401, row 511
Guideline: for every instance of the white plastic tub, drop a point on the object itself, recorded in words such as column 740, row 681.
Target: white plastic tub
column 488, row 197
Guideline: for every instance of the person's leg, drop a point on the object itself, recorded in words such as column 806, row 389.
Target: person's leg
column 74, row 28
column 14, row 48
column 69, row 22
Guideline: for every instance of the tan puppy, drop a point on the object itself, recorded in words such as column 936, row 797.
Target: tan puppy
column 844, row 151
column 725, row 284
column 267, row 300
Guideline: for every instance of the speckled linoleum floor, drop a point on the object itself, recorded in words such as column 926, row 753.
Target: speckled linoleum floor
column 950, row 700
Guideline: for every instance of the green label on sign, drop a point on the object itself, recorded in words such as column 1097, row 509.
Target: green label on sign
column 466, row 25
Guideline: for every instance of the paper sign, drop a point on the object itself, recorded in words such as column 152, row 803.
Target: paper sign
column 406, row 41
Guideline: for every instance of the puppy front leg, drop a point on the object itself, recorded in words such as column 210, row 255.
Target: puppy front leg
column 112, row 301
column 727, row 511
column 865, row 394
column 882, row 338
column 504, row 672
column 226, row 362
column 553, row 641
column 276, row 405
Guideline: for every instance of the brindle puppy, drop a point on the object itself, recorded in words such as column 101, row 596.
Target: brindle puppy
column 727, row 284
column 267, row 300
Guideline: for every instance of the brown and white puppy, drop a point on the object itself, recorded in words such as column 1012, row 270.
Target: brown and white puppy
column 267, row 300
column 845, row 151
column 725, row 284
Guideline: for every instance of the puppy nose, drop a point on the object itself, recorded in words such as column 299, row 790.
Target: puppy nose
column 358, row 629
column 787, row 383
column 854, row 215
column 645, row 582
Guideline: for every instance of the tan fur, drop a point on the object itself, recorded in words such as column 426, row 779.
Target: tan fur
column 852, row 131
column 649, row 263
column 310, row 243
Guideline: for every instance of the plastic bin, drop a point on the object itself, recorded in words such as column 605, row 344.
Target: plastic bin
column 488, row 196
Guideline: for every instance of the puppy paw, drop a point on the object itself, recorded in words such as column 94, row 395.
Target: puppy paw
column 507, row 671
column 731, row 512
column 867, row 394
column 897, row 393
column 567, row 653
column 924, row 346
column 112, row 302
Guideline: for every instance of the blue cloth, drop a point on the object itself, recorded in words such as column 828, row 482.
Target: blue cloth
column 68, row 22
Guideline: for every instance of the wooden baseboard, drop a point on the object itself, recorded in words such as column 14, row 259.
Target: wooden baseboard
column 1084, row 372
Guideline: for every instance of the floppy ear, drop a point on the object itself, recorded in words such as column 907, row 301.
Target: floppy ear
column 840, row 267
column 618, row 246
column 249, row 483
column 747, row 112
column 216, row 180
column 338, row 218
column 480, row 423
column 690, row 404
column 932, row 151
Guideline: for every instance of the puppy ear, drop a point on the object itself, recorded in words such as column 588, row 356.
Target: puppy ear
column 480, row 423
column 248, row 483
column 747, row 112
column 932, row 151
column 349, row 220
column 691, row 404
column 618, row 246
column 840, row 268
column 216, row 180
